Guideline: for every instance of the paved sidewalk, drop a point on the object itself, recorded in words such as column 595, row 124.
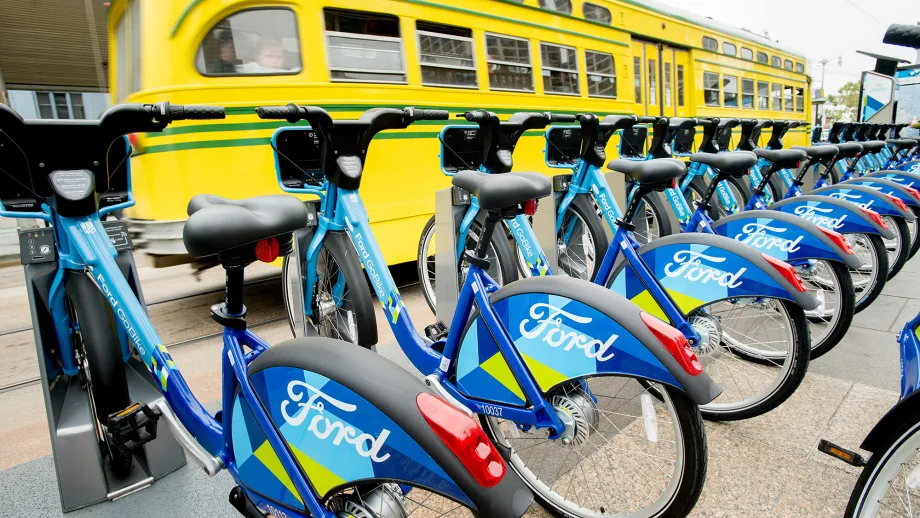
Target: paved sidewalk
column 766, row 466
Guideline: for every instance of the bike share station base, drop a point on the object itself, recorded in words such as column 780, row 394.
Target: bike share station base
column 84, row 476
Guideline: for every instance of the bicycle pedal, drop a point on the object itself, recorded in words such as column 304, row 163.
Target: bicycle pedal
column 437, row 331
column 132, row 427
column 838, row 452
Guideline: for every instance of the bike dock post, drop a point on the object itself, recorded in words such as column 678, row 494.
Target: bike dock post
column 449, row 207
column 617, row 183
column 84, row 475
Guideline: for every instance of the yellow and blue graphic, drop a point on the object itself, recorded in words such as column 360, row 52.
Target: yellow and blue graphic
column 559, row 339
column 695, row 275
column 337, row 437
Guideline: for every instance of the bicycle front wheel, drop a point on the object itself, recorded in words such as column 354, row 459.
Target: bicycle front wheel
column 887, row 485
column 635, row 449
column 342, row 305
column 757, row 349
column 581, row 241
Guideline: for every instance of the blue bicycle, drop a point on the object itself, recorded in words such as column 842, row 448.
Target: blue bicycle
column 310, row 427
column 713, row 312
column 590, row 400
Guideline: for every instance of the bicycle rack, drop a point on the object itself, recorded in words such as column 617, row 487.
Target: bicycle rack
column 84, row 477
column 449, row 207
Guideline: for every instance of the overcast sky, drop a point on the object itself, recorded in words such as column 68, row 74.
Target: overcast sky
column 821, row 29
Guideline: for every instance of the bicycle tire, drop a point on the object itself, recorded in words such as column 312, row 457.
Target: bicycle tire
column 98, row 337
column 904, row 249
column 777, row 187
column 339, row 246
column 500, row 249
column 655, row 206
column 915, row 243
column 699, row 185
column 881, row 258
column 904, row 436
column 799, row 355
column 583, row 207
column 694, row 466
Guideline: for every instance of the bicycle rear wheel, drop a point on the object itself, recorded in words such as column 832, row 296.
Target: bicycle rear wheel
column 636, row 449
column 870, row 277
column 342, row 304
column 100, row 359
column 898, row 247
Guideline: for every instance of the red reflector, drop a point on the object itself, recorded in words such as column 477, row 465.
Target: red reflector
column 267, row 250
column 874, row 216
column 913, row 192
column 674, row 183
column 465, row 439
column 530, row 207
column 838, row 240
column 897, row 201
column 787, row 271
column 675, row 342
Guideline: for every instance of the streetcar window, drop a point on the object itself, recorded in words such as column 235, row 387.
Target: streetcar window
column 364, row 47
column 747, row 54
column 800, row 68
column 680, row 85
column 601, row 70
column 787, row 64
column 251, row 42
column 710, row 44
column 560, row 69
column 729, row 49
column 788, row 97
column 668, row 96
column 777, row 61
column 560, row 6
column 446, row 55
column 711, row 89
column 763, row 95
column 730, row 87
column 637, row 75
column 596, row 13
column 763, row 58
column 652, row 82
column 800, row 100
column 747, row 93
column 777, row 93
column 509, row 62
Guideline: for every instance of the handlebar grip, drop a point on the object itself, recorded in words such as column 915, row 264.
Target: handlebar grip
column 288, row 112
column 561, row 117
column 474, row 116
column 431, row 115
column 646, row 120
column 179, row 112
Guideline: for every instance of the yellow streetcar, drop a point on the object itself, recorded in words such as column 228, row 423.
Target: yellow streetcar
column 506, row 56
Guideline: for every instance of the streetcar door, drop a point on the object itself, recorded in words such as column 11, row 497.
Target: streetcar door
column 661, row 74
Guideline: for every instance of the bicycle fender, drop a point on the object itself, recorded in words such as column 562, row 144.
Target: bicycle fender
column 905, row 410
column 566, row 329
column 697, row 269
column 830, row 213
column 911, row 167
column 347, row 415
column 783, row 236
column 904, row 178
column 865, row 197
column 888, row 187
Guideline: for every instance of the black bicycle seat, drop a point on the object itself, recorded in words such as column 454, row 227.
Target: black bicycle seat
column 500, row 191
column 849, row 149
column 818, row 152
column 782, row 158
column 873, row 146
column 650, row 171
column 217, row 224
column 734, row 163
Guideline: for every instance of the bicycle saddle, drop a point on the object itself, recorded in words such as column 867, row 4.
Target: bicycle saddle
column 873, row 146
column 650, row 171
column 848, row 149
column 734, row 163
column 217, row 224
column 902, row 143
column 818, row 151
column 782, row 158
column 500, row 191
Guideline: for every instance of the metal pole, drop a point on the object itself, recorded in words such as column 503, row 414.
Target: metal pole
column 3, row 98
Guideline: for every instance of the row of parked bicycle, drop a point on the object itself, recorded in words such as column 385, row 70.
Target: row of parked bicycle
column 590, row 385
